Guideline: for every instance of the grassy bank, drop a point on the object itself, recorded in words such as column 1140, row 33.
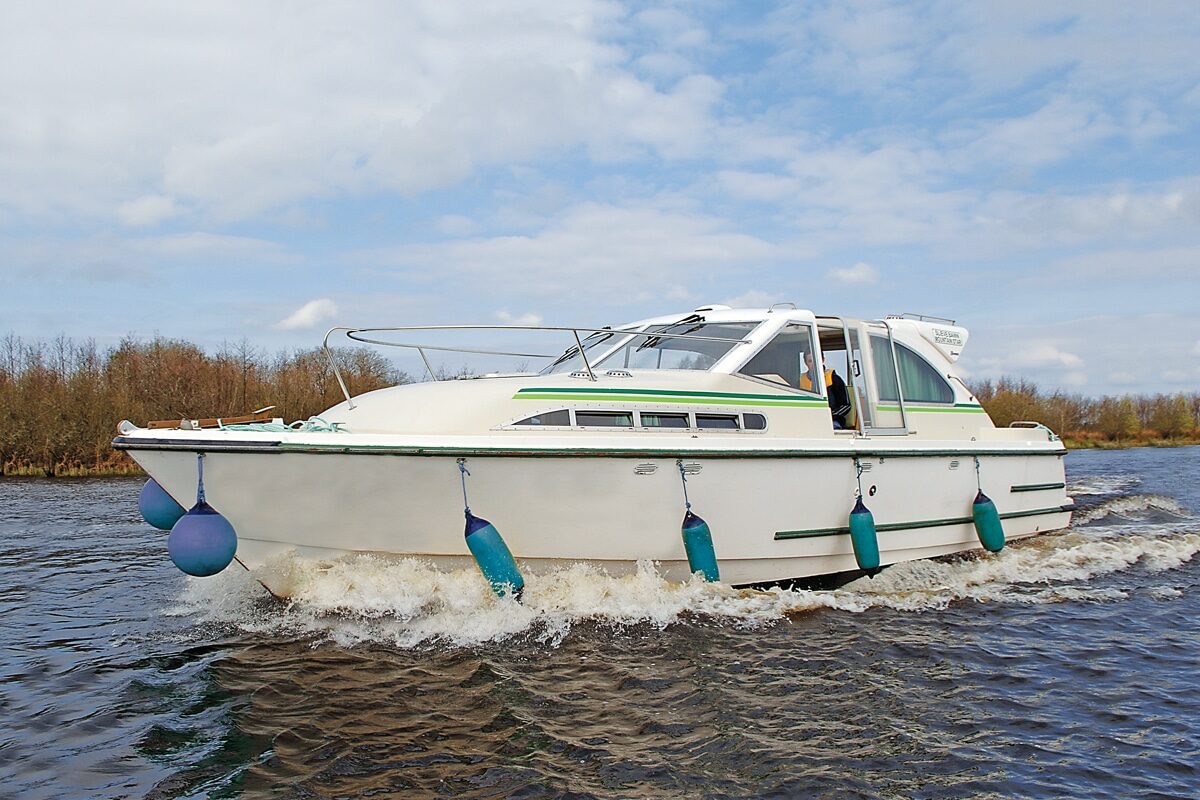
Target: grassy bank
column 60, row 401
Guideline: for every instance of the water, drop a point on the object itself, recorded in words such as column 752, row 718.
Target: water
column 1065, row 666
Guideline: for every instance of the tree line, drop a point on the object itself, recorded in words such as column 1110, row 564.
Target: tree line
column 60, row 400
column 1081, row 420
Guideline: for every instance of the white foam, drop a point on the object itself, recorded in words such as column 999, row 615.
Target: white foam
column 409, row 603
column 1101, row 484
column 1130, row 505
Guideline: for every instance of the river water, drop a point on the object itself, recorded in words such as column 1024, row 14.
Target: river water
column 1064, row 666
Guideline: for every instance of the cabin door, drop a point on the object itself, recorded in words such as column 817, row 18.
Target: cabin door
column 881, row 379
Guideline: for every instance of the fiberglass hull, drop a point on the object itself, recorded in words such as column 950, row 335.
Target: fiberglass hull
column 776, row 513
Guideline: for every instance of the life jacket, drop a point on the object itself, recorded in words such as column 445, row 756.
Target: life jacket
column 806, row 382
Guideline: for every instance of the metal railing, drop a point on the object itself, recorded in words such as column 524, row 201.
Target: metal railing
column 356, row 335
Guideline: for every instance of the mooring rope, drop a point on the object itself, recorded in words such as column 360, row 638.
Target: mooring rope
column 687, row 504
column 463, row 472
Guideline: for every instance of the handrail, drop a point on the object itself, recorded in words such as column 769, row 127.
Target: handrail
column 353, row 333
column 922, row 318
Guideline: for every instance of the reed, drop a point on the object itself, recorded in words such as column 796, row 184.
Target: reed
column 60, row 400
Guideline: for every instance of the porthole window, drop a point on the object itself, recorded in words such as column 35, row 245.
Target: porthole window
column 560, row 417
column 720, row 422
column 754, row 422
column 604, row 419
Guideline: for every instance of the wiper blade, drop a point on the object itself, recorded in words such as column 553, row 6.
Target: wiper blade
column 655, row 341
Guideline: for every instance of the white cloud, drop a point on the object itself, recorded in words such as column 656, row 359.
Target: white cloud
column 518, row 319
column 861, row 274
column 1122, row 378
column 752, row 299
column 1196, row 348
column 147, row 210
column 1057, row 130
column 611, row 251
column 1044, row 354
column 237, row 109
column 308, row 315
column 456, row 225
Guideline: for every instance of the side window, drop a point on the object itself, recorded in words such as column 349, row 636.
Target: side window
column 885, row 370
column 657, row 420
column 754, row 422
column 788, row 359
column 920, row 382
column 560, row 417
column 604, row 419
column 721, row 422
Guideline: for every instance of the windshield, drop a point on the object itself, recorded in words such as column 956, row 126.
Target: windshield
column 570, row 361
column 647, row 351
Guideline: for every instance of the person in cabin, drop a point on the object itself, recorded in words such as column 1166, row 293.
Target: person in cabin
column 839, row 397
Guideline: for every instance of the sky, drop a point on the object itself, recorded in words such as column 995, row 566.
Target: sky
column 222, row 171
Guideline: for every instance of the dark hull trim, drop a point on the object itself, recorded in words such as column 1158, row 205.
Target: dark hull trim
column 928, row 523
column 274, row 447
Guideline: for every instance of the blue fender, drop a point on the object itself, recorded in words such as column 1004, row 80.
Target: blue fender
column 493, row 557
column 697, row 541
column 863, row 537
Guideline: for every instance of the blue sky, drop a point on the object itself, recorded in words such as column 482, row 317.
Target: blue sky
column 221, row 171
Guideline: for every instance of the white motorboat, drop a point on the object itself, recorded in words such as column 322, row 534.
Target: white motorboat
column 587, row 459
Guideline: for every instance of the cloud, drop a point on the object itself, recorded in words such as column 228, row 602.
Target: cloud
column 1175, row 376
column 752, row 299
column 518, row 319
column 283, row 106
column 1057, row 130
column 629, row 252
column 861, row 274
column 147, row 210
column 456, row 225
column 308, row 315
column 1043, row 354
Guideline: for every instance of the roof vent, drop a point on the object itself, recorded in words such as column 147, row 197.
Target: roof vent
column 712, row 307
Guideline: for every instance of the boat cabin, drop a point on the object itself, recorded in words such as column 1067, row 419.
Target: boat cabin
column 780, row 372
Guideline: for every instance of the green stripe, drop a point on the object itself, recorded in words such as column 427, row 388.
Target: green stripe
column 679, row 392
column 777, row 402
column 1036, row 487
column 929, row 523
column 958, row 409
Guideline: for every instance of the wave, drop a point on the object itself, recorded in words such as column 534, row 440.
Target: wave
column 408, row 603
column 1130, row 506
column 1101, row 484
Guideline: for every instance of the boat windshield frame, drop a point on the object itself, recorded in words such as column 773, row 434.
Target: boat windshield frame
column 367, row 336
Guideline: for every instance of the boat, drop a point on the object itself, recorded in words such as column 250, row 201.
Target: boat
column 776, row 425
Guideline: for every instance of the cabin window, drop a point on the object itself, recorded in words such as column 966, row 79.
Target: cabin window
column 754, row 422
column 919, row 381
column 604, row 419
column 788, row 360
column 647, row 351
column 720, row 422
column 657, row 420
column 560, row 417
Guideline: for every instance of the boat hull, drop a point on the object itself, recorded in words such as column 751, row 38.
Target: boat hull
column 773, row 519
